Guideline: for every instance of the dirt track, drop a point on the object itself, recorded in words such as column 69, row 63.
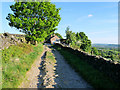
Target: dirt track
column 63, row 76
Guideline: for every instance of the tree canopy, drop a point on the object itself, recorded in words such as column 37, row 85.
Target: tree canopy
column 36, row 19
column 94, row 51
column 86, row 43
column 78, row 39
column 70, row 36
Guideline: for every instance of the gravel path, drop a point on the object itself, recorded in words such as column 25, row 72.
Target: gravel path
column 67, row 77
column 63, row 75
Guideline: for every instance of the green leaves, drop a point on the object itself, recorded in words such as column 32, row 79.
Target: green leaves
column 36, row 19
column 94, row 50
column 78, row 40
column 59, row 35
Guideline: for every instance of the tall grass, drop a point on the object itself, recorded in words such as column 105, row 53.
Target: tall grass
column 94, row 77
column 16, row 61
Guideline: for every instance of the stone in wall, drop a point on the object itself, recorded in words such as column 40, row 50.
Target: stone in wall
column 7, row 39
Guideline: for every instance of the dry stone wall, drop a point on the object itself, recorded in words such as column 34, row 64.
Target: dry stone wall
column 7, row 39
column 109, row 68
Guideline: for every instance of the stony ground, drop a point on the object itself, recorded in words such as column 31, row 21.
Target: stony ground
column 67, row 77
column 58, row 75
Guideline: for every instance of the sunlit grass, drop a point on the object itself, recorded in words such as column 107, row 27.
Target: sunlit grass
column 50, row 57
column 16, row 61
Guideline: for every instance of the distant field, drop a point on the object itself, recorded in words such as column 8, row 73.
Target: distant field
column 109, row 51
column 105, row 45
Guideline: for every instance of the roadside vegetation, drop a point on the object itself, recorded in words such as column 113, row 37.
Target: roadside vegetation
column 50, row 57
column 16, row 61
column 81, row 41
column 78, row 40
column 109, row 53
column 94, row 77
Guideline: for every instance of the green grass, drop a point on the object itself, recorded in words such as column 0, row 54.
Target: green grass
column 94, row 77
column 50, row 57
column 16, row 61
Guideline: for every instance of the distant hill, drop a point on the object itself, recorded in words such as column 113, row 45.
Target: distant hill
column 106, row 45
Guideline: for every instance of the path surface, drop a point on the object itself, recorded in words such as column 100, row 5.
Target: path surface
column 67, row 77
column 32, row 76
column 63, row 75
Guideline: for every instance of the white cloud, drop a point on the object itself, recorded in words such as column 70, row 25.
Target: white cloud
column 90, row 15
column 83, row 18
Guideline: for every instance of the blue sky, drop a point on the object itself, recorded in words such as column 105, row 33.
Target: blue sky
column 99, row 20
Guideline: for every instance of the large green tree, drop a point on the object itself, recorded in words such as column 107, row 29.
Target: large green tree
column 36, row 19
column 70, row 36
column 86, row 43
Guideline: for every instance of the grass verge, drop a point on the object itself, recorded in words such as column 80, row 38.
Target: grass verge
column 50, row 57
column 16, row 61
column 94, row 77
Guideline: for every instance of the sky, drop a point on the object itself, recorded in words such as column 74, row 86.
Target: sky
column 99, row 20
